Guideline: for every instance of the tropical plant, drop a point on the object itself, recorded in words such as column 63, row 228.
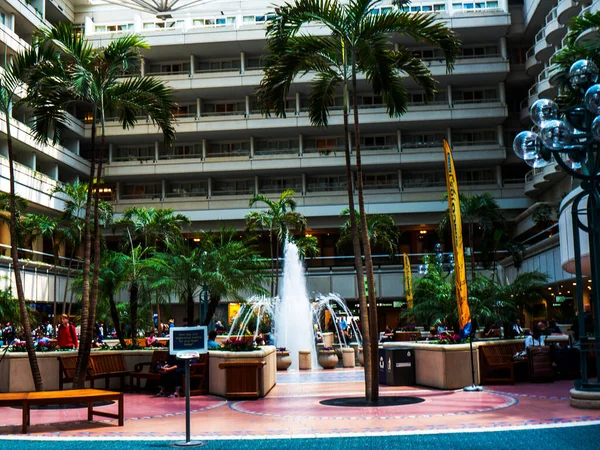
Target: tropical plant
column 90, row 76
column 308, row 245
column 279, row 217
column 481, row 211
column 352, row 39
column 383, row 232
column 115, row 273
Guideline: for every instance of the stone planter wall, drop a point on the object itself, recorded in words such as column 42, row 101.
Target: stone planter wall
column 267, row 375
column 15, row 374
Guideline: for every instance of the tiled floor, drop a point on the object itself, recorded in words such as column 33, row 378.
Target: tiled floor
column 293, row 409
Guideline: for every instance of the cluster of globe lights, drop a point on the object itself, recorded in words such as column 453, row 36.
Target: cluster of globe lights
column 565, row 136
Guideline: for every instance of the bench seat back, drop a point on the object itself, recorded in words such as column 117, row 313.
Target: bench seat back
column 107, row 363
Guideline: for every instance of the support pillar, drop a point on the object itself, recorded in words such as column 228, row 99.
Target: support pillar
column 118, row 190
column 210, row 180
column 192, row 66
column 399, row 140
column 300, row 145
column 163, row 190
column 400, row 180
column 156, row 150
column 54, row 172
column 449, row 135
column 32, row 163
column 303, row 184
column 499, row 176
column 500, row 135
column 247, row 100
column 298, row 103
column 251, row 147
column 503, row 48
column 502, row 92
column 203, row 149
column 198, row 108
column 143, row 67
column 12, row 22
column 242, row 62
column 111, row 151
column 449, row 95
column 256, row 185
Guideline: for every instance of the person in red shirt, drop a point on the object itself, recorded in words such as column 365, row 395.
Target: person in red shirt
column 66, row 335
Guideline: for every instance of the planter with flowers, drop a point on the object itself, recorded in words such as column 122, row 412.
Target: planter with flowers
column 241, row 369
column 284, row 360
column 327, row 358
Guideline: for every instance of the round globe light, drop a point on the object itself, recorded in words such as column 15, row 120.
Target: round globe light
column 543, row 110
column 596, row 128
column 526, row 145
column 555, row 134
column 592, row 99
column 538, row 162
column 571, row 160
column 583, row 74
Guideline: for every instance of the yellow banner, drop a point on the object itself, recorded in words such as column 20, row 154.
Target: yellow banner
column 408, row 285
column 464, row 315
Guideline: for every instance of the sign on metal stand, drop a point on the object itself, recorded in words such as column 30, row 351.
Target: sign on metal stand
column 188, row 343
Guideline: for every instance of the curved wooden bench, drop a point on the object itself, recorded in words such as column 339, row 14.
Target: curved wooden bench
column 497, row 362
column 150, row 373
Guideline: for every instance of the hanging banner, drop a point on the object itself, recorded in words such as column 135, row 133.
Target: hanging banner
column 464, row 315
column 408, row 284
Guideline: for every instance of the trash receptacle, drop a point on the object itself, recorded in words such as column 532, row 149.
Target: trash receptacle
column 382, row 372
column 399, row 366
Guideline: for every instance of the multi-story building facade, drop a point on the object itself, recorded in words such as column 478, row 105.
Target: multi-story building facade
column 226, row 151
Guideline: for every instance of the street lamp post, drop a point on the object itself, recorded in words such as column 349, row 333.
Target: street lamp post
column 571, row 137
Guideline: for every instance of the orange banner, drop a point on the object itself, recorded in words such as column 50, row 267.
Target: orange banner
column 408, row 284
column 464, row 315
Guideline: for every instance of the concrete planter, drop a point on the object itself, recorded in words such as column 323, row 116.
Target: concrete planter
column 327, row 339
column 304, row 360
column 15, row 374
column 327, row 359
column 284, row 360
column 217, row 381
column 348, row 359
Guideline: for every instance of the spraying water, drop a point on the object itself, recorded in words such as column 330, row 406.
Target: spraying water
column 293, row 314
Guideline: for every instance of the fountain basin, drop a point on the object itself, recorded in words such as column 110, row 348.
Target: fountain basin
column 328, row 359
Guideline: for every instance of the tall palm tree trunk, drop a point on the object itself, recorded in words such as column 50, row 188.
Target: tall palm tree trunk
column 374, row 341
column 212, row 308
column 55, row 288
column 272, row 262
column 69, row 268
column 114, row 315
column 277, row 246
column 362, row 301
column 83, row 356
column 472, row 251
column 133, row 310
column 14, row 251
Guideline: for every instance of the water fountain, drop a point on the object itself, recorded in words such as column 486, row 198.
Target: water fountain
column 296, row 320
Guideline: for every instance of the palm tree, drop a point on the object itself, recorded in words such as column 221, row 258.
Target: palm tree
column 114, row 275
column 478, row 210
column 352, row 39
column 308, row 245
column 152, row 226
column 383, row 232
column 88, row 75
column 279, row 217
column 10, row 86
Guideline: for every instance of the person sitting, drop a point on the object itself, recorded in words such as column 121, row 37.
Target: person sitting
column 433, row 335
column 170, row 376
column 152, row 341
column 212, row 344
column 536, row 339
column 553, row 328
column 388, row 334
column 517, row 329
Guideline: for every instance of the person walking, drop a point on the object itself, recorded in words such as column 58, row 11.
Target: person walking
column 66, row 336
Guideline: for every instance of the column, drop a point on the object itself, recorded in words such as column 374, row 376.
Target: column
column 203, row 149
column 111, row 150
column 502, row 92
column 499, row 175
column 449, row 135
column 32, row 161
column 400, row 180
column 242, row 62
column 251, row 147
column 503, row 49
column 247, row 99
column 163, row 190
column 143, row 67
column 349, row 142
column 256, row 185
column 12, row 22
column 396, row 47
column 209, row 188
column 156, row 150
column 303, row 184
column 298, row 103
column 77, row 148
column 399, row 140
column 4, row 148
column 192, row 66
column 300, row 145
column 449, row 94
column 54, row 172
column 500, row 135
column 198, row 108
column 118, row 190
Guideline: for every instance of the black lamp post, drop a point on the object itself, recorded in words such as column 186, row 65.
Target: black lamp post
column 572, row 137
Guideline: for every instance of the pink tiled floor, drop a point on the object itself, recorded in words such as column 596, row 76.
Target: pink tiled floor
column 293, row 408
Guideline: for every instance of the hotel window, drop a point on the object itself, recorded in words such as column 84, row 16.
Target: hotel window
column 228, row 149
column 226, row 65
column 142, row 190
column 136, row 153
column 369, row 101
column 116, row 28
column 428, row 54
column 476, row 177
column 164, row 25
column 258, row 18
column 233, row 187
column 324, row 145
column 214, row 22
column 2, row 18
column 476, row 96
column 277, row 185
column 381, row 181
column 219, row 109
column 188, row 189
column 256, row 62
column 326, row 183
column 420, row 140
column 378, row 142
column 474, row 137
column 170, row 68
column 419, row 98
column 480, row 51
column 279, row 146
column 423, row 179
column 182, row 151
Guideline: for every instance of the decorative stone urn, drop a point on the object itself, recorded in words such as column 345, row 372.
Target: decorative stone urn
column 284, row 360
column 327, row 359
column 327, row 338
column 338, row 348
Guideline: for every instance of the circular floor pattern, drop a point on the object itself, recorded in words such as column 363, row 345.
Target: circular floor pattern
column 362, row 402
column 436, row 403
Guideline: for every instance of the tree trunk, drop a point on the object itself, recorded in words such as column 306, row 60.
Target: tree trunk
column 69, row 267
column 374, row 341
column 362, row 301
column 14, row 251
column 83, row 356
column 133, row 310
column 272, row 262
column 114, row 315
column 212, row 307
column 158, row 315
column 472, row 251
column 56, row 260
column 190, row 308
column 277, row 267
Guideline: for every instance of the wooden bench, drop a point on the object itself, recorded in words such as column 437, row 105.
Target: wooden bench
column 159, row 356
column 103, row 365
column 26, row 400
column 198, row 376
column 497, row 362
column 242, row 378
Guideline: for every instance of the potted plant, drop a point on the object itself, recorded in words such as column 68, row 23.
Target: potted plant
column 327, row 358
column 284, row 360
